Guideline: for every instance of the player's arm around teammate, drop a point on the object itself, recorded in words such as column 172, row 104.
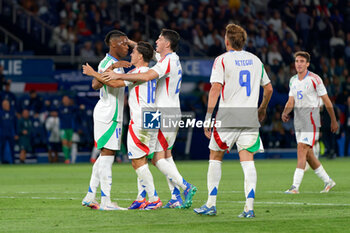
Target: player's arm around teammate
column 88, row 70
column 108, row 119
column 168, row 73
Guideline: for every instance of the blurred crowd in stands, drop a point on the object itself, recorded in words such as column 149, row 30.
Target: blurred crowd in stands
column 33, row 123
column 276, row 29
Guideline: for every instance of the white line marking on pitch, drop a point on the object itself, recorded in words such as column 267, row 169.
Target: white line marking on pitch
column 131, row 192
column 238, row 202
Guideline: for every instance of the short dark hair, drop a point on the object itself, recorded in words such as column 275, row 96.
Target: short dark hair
column 146, row 50
column 113, row 34
column 304, row 54
column 236, row 36
column 172, row 36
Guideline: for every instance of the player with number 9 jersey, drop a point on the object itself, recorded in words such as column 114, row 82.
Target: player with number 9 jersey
column 241, row 74
column 237, row 76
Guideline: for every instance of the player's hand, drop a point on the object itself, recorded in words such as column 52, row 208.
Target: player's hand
column 109, row 75
column 87, row 69
column 131, row 43
column 285, row 117
column 261, row 114
column 119, row 64
column 207, row 132
column 334, row 126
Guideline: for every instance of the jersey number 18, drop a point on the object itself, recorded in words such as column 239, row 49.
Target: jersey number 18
column 151, row 91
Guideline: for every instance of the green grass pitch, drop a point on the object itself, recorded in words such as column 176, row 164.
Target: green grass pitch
column 47, row 198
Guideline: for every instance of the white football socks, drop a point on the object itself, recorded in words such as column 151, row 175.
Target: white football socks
column 141, row 194
column 105, row 172
column 213, row 180
column 146, row 181
column 171, row 172
column 298, row 177
column 250, row 179
column 94, row 180
column 320, row 172
column 174, row 188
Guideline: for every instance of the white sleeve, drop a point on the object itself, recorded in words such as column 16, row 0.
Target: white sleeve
column 320, row 88
column 48, row 124
column 218, row 71
column 264, row 77
column 157, row 56
column 128, row 83
column 119, row 70
column 290, row 87
column 161, row 68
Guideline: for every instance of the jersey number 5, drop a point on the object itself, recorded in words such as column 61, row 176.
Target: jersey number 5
column 246, row 83
column 299, row 95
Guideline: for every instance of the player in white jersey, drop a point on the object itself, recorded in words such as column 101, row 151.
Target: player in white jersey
column 168, row 71
column 316, row 147
column 237, row 75
column 108, row 116
column 306, row 89
column 141, row 142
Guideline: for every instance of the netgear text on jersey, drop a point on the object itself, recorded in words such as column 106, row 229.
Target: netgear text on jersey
column 248, row 62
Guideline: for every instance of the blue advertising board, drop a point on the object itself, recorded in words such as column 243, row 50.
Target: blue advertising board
column 28, row 70
column 73, row 80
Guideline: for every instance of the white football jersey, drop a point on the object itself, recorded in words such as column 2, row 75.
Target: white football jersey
column 169, row 82
column 142, row 95
column 111, row 104
column 241, row 74
column 306, row 93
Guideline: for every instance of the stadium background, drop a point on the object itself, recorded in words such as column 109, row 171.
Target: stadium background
column 44, row 43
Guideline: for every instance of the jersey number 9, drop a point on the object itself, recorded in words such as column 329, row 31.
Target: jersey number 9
column 245, row 83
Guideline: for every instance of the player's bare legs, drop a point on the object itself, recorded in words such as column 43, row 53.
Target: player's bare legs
column 302, row 151
column 163, row 160
column 312, row 160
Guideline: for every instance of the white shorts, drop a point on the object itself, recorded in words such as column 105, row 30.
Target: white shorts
column 165, row 140
column 108, row 135
column 307, row 138
column 141, row 142
column 223, row 139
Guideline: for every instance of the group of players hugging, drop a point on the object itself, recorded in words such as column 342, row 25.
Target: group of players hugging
column 236, row 77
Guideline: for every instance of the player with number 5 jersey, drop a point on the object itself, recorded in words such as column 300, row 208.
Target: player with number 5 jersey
column 306, row 91
column 168, row 71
